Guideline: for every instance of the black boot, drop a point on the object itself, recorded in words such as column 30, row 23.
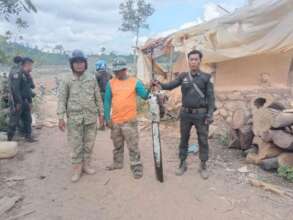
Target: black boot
column 9, row 136
column 182, row 168
column 30, row 139
column 203, row 170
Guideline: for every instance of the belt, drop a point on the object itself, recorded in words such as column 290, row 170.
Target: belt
column 195, row 110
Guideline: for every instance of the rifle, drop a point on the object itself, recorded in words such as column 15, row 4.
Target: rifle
column 155, row 118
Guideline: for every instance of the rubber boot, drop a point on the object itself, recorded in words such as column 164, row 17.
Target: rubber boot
column 87, row 168
column 76, row 174
column 182, row 168
column 203, row 170
column 137, row 171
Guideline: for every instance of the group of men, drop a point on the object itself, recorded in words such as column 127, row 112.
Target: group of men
column 21, row 85
column 83, row 100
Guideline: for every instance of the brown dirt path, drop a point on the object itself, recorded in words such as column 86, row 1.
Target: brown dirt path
column 47, row 189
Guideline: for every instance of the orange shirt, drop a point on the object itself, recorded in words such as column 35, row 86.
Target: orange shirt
column 124, row 106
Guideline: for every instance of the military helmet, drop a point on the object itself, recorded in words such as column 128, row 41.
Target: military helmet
column 119, row 64
column 25, row 60
column 77, row 55
column 101, row 65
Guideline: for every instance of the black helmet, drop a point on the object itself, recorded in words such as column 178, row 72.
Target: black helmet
column 77, row 55
column 25, row 60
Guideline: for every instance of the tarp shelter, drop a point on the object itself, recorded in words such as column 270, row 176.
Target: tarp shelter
column 249, row 48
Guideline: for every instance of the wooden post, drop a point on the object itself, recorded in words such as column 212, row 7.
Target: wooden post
column 171, row 62
column 290, row 77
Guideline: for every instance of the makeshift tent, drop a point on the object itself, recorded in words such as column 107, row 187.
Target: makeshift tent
column 249, row 48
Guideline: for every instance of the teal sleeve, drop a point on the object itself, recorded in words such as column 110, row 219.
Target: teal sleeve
column 141, row 90
column 107, row 102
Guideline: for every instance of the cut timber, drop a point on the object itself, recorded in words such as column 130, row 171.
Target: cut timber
column 283, row 120
column 270, row 164
column 262, row 101
column 262, row 120
column 240, row 118
column 265, row 151
column 282, row 139
column 234, row 141
column 253, row 158
column 286, row 159
column 8, row 149
column 245, row 137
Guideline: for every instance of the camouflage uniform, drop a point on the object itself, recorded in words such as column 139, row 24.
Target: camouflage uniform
column 127, row 132
column 80, row 100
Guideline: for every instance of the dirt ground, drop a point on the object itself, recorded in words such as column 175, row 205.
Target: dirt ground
column 43, row 170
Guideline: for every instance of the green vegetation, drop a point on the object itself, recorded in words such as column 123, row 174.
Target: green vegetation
column 286, row 172
column 9, row 50
column 223, row 139
column 134, row 16
column 15, row 9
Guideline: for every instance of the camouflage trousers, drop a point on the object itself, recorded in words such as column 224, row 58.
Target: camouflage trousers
column 126, row 132
column 81, row 139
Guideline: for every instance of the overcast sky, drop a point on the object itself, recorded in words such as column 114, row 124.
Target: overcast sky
column 92, row 24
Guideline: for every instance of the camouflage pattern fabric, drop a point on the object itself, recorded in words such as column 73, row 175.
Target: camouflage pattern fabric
column 126, row 132
column 81, row 138
column 80, row 100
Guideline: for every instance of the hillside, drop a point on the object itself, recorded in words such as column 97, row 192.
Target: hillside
column 8, row 50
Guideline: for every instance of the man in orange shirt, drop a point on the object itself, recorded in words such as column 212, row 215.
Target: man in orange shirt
column 120, row 97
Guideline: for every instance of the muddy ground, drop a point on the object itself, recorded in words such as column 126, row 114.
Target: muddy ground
column 41, row 173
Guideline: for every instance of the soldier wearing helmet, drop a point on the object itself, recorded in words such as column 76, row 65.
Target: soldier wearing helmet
column 80, row 103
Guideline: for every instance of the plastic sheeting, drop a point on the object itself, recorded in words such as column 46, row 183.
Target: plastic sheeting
column 261, row 27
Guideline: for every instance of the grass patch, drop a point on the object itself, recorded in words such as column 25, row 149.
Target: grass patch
column 286, row 172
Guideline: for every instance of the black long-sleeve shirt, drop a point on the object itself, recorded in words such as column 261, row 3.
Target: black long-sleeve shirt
column 190, row 97
column 20, row 86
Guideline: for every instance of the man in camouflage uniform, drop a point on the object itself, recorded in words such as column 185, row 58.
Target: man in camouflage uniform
column 80, row 101
column 120, row 96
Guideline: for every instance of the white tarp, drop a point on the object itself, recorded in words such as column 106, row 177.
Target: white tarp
column 261, row 27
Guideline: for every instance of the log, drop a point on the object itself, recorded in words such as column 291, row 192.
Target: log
column 262, row 120
column 282, row 139
column 234, row 141
column 286, row 159
column 240, row 118
column 246, row 137
column 283, row 120
column 253, row 158
column 262, row 101
column 265, row 151
column 8, row 150
column 270, row 164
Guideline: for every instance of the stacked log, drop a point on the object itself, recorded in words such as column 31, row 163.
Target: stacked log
column 241, row 129
column 268, row 126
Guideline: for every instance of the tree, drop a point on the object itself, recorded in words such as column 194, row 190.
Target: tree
column 8, row 35
column 103, row 50
column 134, row 16
column 14, row 8
column 59, row 48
